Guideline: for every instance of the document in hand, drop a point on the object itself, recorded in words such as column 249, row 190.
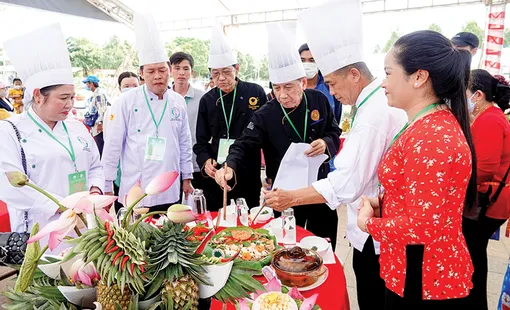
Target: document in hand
column 296, row 169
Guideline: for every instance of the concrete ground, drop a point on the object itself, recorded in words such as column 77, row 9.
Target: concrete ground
column 498, row 253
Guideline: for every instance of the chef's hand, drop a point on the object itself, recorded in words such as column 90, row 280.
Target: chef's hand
column 318, row 148
column 365, row 213
column 187, row 188
column 374, row 203
column 279, row 199
column 210, row 167
column 223, row 176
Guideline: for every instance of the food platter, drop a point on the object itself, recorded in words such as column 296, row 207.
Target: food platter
column 255, row 245
column 276, row 300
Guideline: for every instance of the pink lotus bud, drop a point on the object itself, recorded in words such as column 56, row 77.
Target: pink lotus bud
column 84, row 274
column 180, row 214
column 161, row 183
column 135, row 193
column 295, row 294
column 309, row 302
column 16, row 178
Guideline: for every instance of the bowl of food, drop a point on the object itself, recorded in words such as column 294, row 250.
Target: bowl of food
column 318, row 244
column 264, row 216
column 274, row 300
column 298, row 267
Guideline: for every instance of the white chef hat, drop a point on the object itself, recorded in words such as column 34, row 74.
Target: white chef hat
column 284, row 62
column 333, row 32
column 149, row 45
column 221, row 54
column 41, row 59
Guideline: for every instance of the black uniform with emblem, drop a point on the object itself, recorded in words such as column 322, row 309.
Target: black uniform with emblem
column 270, row 131
column 211, row 127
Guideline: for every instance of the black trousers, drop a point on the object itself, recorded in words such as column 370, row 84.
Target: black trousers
column 412, row 299
column 118, row 203
column 370, row 286
column 319, row 219
column 100, row 143
column 477, row 235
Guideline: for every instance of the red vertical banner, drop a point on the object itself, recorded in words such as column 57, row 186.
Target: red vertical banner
column 494, row 39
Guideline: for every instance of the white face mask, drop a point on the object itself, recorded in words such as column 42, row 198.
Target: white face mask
column 311, row 69
column 126, row 89
column 17, row 87
column 471, row 104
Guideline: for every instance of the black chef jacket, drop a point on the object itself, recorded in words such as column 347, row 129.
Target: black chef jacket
column 270, row 131
column 211, row 127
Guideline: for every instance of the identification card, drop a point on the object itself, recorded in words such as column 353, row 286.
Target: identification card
column 223, row 149
column 155, row 149
column 77, row 182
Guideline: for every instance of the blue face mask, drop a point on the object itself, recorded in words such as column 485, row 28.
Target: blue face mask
column 471, row 104
column 87, row 88
column 126, row 89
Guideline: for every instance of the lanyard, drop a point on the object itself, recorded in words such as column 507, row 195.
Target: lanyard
column 303, row 138
column 228, row 122
column 422, row 111
column 363, row 102
column 187, row 99
column 152, row 113
column 69, row 150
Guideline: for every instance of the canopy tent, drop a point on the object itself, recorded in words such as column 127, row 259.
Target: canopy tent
column 72, row 7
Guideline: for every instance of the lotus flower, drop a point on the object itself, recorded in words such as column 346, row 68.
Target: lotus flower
column 17, row 178
column 272, row 286
column 57, row 229
column 84, row 273
column 81, row 202
column 161, row 183
column 180, row 214
column 309, row 302
column 134, row 194
column 295, row 294
column 242, row 304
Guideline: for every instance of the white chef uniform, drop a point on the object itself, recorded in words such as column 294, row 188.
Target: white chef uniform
column 334, row 46
column 44, row 63
column 131, row 124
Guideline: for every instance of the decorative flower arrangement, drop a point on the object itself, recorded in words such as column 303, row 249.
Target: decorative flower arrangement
column 130, row 264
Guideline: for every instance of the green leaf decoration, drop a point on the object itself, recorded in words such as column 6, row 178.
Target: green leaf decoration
column 29, row 266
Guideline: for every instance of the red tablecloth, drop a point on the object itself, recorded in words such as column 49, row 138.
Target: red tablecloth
column 5, row 223
column 332, row 294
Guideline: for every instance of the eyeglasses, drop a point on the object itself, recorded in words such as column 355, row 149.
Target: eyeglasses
column 225, row 72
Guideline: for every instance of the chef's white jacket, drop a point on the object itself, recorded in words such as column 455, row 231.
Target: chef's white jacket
column 130, row 125
column 48, row 164
column 356, row 165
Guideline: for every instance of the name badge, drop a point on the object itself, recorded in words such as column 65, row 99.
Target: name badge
column 223, row 150
column 155, row 149
column 77, row 182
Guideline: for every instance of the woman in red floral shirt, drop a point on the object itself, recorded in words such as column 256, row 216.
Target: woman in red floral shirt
column 426, row 175
column 488, row 98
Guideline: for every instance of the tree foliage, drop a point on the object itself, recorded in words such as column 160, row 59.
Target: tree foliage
column 84, row 54
column 507, row 38
column 395, row 35
column 197, row 48
column 435, row 27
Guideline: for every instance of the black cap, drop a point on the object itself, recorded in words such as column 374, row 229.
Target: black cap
column 462, row 39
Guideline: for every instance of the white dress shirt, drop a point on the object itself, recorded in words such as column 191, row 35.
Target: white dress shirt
column 356, row 165
column 129, row 127
column 48, row 164
column 192, row 99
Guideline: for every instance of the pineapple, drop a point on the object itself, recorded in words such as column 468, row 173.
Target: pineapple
column 175, row 266
column 108, row 296
column 119, row 257
column 183, row 291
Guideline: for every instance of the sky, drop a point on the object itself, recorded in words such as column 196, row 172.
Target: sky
column 377, row 27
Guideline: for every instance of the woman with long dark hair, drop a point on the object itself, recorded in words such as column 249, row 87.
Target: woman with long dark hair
column 429, row 178
column 488, row 98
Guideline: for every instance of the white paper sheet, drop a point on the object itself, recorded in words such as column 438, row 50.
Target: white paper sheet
column 296, row 169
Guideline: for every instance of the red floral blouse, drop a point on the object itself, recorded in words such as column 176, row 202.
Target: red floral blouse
column 425, row 176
